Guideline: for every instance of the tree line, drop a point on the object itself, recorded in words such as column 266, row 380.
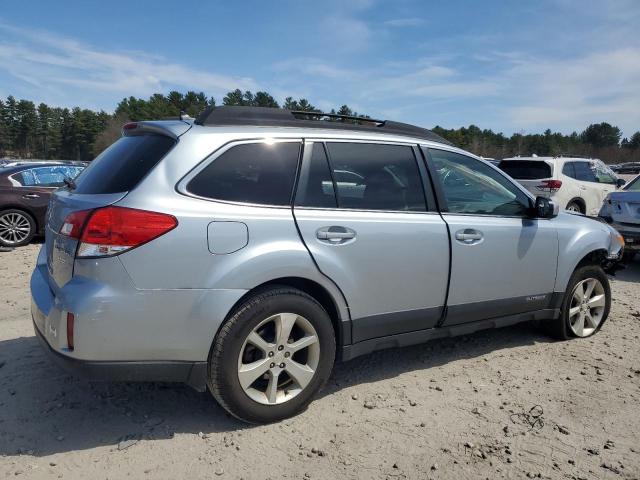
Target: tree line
column 42, row 131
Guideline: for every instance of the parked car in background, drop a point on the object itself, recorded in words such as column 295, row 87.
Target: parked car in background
column 246, row 251
column 621, row 210
column 627, row 168
column 575, row 184
column 25, row 191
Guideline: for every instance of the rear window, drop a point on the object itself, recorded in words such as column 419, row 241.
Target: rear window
column 259, row 173
column 121, row 166
column 525, row 169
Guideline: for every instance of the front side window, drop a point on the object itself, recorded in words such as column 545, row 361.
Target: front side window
column 376, row 177
column 603, row 173
column 471, row 187
column 259, row 173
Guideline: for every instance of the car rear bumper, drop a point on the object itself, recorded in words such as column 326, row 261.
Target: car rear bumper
column 191, row 373
column 124, row 333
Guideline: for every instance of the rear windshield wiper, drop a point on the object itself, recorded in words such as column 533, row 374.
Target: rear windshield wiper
column 68, row 181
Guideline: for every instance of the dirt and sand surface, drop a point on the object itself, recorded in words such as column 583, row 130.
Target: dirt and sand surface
column 506, row 403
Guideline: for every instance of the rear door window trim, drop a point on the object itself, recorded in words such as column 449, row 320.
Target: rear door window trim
column 430, row 203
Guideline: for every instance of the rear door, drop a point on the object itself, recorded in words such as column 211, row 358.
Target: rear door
column 363, row 214
column 502, row 262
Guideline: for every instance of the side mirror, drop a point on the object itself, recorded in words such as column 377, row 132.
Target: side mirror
column 620, row 182
column 545, row 208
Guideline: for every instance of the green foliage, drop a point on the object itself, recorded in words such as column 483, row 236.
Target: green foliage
column 601, row 135
column 30, row 131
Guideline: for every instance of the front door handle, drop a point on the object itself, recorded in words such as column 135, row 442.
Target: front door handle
column 335, row 234
column 31, row 195
column 469, row 236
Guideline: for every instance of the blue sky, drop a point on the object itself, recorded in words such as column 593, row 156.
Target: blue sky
column 507, row 65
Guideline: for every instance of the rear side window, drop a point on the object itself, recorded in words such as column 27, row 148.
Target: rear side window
column 121, row 166
column 569, row 170
column 376, row 177
column 260, row 173
column 584, row 172
column 315, row 187
column 525, row 169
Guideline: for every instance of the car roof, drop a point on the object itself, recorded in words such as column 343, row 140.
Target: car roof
column 550, row 159
column 279, row 117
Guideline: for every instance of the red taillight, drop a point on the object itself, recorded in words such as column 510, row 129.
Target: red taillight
column 112, row 230
column 70, row 325
column 73, row 224
column 551, row 185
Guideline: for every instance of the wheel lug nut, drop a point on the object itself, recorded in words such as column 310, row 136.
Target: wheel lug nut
column 286, row 354
column 271, row 354
column 282, row 365
column 272, row 365
column 280, row 347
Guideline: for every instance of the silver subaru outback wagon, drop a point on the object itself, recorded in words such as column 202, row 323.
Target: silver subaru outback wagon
column 248, row 250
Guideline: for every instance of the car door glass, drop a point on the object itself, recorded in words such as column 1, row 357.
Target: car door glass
column 633, row 186
column 376, row 177
column 257, row 173
column 315, row 187
column 569, row 170
column 584, row 173
column 603, row 173
column 471, row 187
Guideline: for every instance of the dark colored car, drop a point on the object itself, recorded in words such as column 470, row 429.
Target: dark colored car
column 628, row 168
column 25, row 190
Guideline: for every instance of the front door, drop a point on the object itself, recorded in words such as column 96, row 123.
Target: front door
column 502, row 262
column 367, row 224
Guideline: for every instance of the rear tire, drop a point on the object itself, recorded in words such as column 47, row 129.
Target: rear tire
column 17, row 228
column 283, row 338
column 586, row 305
column 574, row 207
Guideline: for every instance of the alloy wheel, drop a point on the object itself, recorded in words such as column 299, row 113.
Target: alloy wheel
column 586, row 310
column 278, row 359
column 14, row 228
column 573, row 208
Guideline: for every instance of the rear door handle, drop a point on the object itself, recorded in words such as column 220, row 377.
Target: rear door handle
column 335, row 234
column 31, row 195
column 469, row 236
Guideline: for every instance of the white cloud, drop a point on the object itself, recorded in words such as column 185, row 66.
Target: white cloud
column 404, row 22
column 55, row 64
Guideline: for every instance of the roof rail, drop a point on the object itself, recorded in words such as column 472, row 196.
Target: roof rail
column 280, row 117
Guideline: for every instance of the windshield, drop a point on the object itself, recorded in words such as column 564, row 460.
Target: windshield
column 633, row 185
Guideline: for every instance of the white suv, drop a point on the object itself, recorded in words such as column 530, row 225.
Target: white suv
column 575, row 184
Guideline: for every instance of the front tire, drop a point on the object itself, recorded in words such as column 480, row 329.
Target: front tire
column 586, row 304
column 271, row 357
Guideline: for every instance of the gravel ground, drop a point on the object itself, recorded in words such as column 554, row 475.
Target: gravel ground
column 507, row 403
